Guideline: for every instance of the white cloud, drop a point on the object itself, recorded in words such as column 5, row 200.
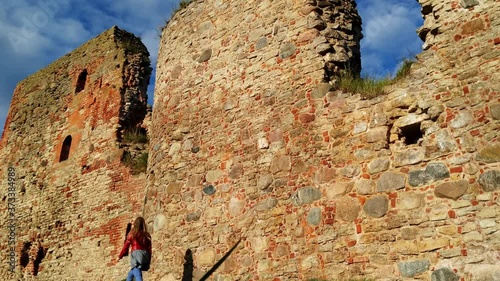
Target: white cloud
column 34, row 33
column 389, row 29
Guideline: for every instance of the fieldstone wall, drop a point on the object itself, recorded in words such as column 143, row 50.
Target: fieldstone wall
column 70, row 215
column 248, row 139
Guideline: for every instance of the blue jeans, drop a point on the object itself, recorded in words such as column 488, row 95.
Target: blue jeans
column 136, row 273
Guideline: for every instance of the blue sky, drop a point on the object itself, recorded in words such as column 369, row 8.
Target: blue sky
column 34, row 33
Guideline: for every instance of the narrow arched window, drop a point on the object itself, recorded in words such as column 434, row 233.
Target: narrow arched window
column 65, row 149
column 80, row 84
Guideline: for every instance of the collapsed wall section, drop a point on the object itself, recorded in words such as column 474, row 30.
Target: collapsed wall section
column 73, row 195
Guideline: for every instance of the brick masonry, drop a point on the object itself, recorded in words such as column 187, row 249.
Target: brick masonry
column 249, row 138
column 71, row 215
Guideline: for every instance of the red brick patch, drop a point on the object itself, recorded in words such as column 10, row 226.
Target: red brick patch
column 452, row 214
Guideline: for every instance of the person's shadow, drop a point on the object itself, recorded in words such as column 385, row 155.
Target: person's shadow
column 187, row 275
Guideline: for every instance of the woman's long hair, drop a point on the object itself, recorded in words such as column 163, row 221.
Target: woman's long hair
column 139, row 231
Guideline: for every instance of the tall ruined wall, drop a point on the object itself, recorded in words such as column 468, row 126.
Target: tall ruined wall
column 70, row 215
column 248, row 141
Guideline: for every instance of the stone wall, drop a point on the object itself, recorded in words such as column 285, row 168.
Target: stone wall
column 71, row 214
column 248, row 139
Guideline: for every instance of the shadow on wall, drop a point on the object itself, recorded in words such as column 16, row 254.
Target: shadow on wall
column 187, row 274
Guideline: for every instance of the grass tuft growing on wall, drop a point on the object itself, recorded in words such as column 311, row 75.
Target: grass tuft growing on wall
column 137, row 164
column 135, row 135
column 404, row 68
column 367, row 87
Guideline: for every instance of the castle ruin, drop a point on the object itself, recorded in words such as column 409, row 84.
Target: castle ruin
column 249, row 138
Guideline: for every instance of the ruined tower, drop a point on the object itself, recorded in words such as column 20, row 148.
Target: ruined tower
column 63, row 144
column 239, row 127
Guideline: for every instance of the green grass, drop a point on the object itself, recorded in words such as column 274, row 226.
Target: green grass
column 135, row 135
column 369, row 87
column 138, row 164
column 404, row 69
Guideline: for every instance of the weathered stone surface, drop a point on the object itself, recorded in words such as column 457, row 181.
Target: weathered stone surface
column 365, row 187
column 267, row 204
column 495, row 111
column 305, row 10
column 379, row 165
column 206, row 257
column 205, row 56
column 376, row 206
column 213, row 175
column 433, row 172
column 305, row 195
column 410, row 119
column 390, row 181
column 452, row 190
column 338, row 188
column 350, row 171
column 264, row 181
column 306, row 118
column 236, row 171
column 236, row 206
column 193, row 216
column 473, row 26
column 159, row 222
column 468, row 3
column 444, row 274
column 347, row 208
column 410, row 201
column 489, row 153
column 209, row 190
column 314, row 216
column 462, row 119
column 419, row 177
column 377, row 134
column 174, row 188
column 483, row 272
column 321, row 90
column 261, row 43
column 413, row 268
column 324, row 175
column 287, row 50
column 408, row 157
column 490, row 180
column 280, row 163
column 433, row 244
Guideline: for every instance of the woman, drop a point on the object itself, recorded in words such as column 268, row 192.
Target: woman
column 140, row 256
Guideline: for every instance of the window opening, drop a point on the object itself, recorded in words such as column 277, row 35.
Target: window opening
column 80, row 84
column 411, row 133
column 65, row 149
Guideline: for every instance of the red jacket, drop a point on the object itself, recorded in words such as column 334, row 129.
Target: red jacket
column 136, row 245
